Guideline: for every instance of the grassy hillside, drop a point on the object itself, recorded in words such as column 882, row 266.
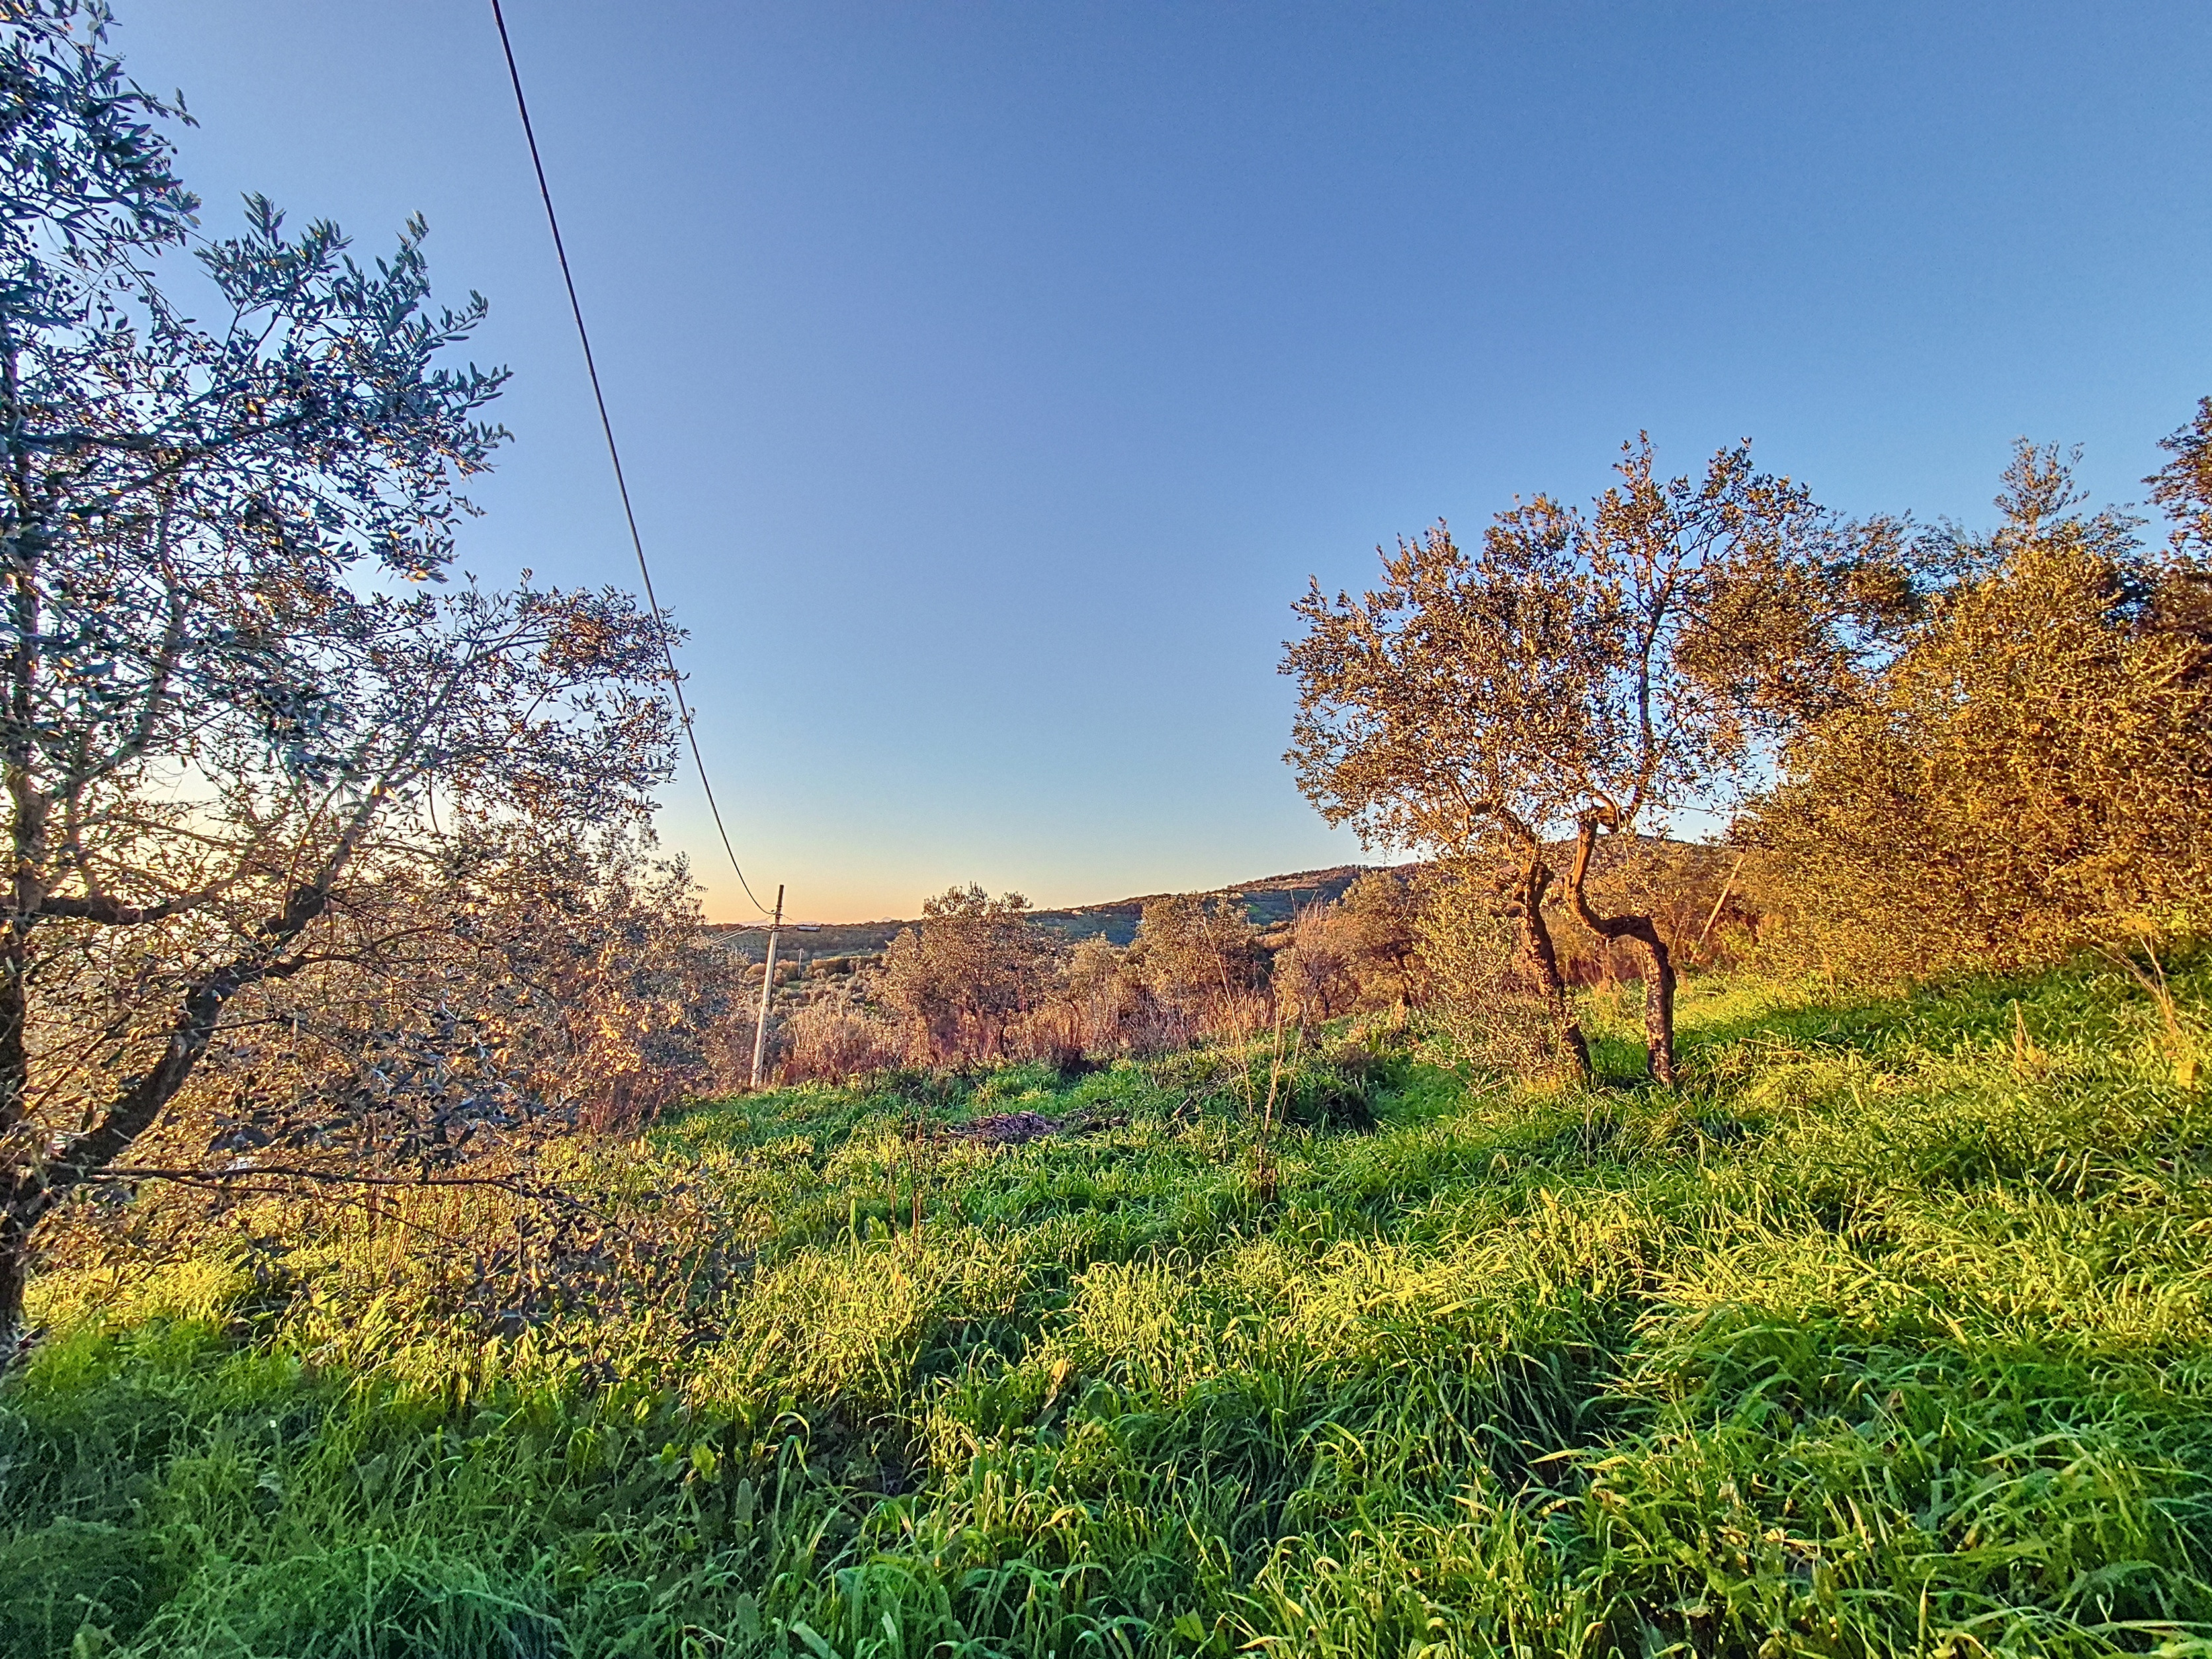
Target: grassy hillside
column 1891, row 1334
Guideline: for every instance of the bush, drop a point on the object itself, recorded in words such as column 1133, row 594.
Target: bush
column 976, row 965
column 1475, row 984
column 831, row 1039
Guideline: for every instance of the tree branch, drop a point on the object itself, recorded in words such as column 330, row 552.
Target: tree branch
column 114, row 914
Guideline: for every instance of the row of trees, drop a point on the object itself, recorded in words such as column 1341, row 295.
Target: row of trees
column 2032, row 772
column 980, row 982
column 1946, row 749
column 1943, row 748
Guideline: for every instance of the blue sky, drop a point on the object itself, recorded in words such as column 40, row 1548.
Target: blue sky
column 992, row 377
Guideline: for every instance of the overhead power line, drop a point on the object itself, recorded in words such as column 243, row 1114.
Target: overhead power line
column 614, row 455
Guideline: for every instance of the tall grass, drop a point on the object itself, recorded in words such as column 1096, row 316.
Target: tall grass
column 1891, row 1332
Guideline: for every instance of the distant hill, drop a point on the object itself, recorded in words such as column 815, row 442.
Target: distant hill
column 1269, row 900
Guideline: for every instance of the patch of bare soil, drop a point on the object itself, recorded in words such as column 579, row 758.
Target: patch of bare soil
column 1015, row 1128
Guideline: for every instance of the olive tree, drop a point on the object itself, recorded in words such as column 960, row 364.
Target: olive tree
column 238, row 696
column 978, row 964
column 1430, row 708
column 1584, row 673
column 1200, row 960
column 2184, row 488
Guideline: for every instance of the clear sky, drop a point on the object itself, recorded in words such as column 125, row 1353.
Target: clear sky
column 992, row 376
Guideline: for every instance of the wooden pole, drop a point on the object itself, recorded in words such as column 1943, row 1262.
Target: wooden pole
column 767, row 990
column 1735, row 871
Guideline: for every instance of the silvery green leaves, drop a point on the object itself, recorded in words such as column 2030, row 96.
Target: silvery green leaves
column 88, row 174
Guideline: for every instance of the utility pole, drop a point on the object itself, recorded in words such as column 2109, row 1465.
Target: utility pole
column 768, row 989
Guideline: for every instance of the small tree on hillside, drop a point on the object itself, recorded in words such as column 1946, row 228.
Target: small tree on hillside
column 1429, row 709
column 2184, row 488
column 1199, row 960
column 1095, row 980
column 1313, row 975
column 1358, row 951
column 976, row 964
column 1590, row 670
column 1380, row 910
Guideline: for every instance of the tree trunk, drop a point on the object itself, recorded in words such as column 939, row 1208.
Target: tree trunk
column 1658, row 1003
column 1541, row 960
column 29, row 1189
column 1659, row 970
column 14, row 1170
column 15, row 1027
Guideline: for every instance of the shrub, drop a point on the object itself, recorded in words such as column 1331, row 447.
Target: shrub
column 976, row 964
column 1475, row 977
column 1201, row 964
column 830, row 1039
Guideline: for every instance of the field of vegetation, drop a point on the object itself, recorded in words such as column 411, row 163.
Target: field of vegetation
column 1568, row 1241
column 1889, row 1331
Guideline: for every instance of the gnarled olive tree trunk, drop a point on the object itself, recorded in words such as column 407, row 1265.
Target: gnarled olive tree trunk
column 1540, row 961
column 1659, row 962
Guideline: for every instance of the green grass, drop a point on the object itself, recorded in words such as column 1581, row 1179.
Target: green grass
column 1891, row 1332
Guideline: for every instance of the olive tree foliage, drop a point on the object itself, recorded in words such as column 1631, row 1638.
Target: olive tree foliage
column 1200, row 964
column 1581, row 672
column 1463, row 930
column 976, row 965
column 1359, row 951
column 237, row 699
column 504, row 989
column 1429, row 708
column 2033, row 773
column 2183, row 486
column 1097, row 983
